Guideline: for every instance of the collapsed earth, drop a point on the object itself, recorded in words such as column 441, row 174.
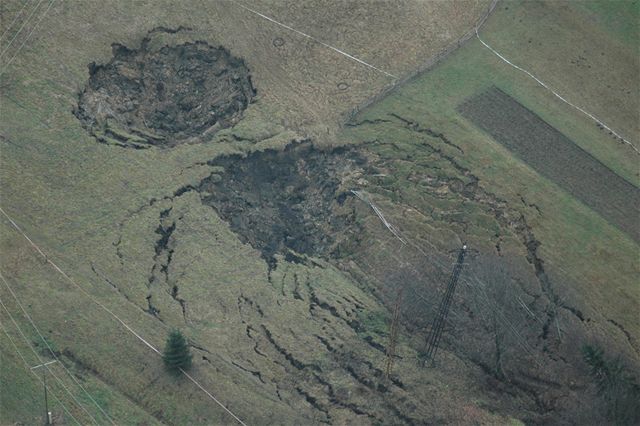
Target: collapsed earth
column 320, row 213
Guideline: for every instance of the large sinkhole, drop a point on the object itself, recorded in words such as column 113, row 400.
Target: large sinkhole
column 288, row 202
column 164, row 97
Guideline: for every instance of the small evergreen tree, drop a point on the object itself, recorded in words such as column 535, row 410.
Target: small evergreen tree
column 176, row 352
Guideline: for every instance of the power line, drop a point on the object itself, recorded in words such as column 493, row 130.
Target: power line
column 47, row 413
column 51, row 350
column 556, row 94
column 487, row 303
column 353, row 58
column 27, row 38
column 14, row 19
column 378, row 212
column 492, row 306
column 503, row 320
column 475, row 277
column 426, row 301
column 24, row 337
column 393, row 335
column 434, row 337
column 124, row 324
column 35, row 374
column 20, row 30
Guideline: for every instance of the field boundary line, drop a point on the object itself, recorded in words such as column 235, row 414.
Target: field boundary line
column 94, row 300
column 556, row 94
column 26, row 314
column 422, row 68
column 360, row 61
column 64, row 407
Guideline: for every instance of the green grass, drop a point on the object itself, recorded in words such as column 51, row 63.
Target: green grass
column 375, row 324
column 473, row 69
column 21, row 395
column 79, row 199
column 579, row 246
column 620, row 17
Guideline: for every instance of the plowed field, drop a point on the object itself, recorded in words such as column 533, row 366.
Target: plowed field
column 556, row 157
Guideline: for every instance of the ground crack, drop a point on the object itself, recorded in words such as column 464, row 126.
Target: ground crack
column 163, row 255
column 242, row 299
column 626, row 333
column 254, row 373
column 414, row 126
column 287, row 355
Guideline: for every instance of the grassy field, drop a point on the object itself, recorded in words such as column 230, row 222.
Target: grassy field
column 555, row 157
column 578, row 245
column 94, row 209
column 289, row 347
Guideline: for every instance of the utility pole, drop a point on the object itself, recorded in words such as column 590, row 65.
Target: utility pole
column 47, row 413
column 433, row 340
column 393, row 335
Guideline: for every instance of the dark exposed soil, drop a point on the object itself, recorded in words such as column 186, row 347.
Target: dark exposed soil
column 163, row 97
column 287, row 202
column 296, row 202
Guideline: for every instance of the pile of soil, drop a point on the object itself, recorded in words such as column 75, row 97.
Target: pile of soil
column 164, row 97
column 288, row 202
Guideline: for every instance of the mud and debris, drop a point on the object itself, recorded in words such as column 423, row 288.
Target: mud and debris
column 163, row 97
column 296, row 203
column 288, row 202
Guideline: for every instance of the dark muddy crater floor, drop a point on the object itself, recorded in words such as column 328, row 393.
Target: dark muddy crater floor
column 288, row 202
column 164, row 97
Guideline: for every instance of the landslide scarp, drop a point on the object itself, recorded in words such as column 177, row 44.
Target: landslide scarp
column 163, row 97
column 287, row 202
